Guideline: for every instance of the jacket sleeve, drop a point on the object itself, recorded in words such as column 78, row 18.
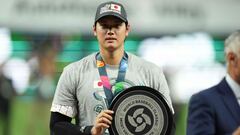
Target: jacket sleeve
column 61, row 125
column 200, row 119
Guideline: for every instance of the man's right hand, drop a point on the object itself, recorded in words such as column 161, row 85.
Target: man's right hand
column 102, row 122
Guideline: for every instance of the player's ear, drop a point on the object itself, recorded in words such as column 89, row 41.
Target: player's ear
column 232, row 58
column 127, row 29
column 94, row 30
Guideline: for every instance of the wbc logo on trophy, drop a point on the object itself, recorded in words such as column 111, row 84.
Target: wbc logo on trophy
column 139, row 121
column 140, row 110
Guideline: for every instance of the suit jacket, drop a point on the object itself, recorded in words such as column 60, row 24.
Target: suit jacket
column 214, row 111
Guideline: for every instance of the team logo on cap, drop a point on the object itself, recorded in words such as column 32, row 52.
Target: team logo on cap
column 111, row 8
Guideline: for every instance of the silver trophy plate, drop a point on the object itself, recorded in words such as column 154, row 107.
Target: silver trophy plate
column 140, row 110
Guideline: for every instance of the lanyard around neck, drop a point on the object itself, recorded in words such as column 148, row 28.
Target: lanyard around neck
column 104, row 77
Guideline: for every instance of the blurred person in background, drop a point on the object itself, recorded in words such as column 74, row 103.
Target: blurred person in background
column 42, row 84
column 216, row 111
column 7, row 89
column 42, row 63
column 80, row 84
column 7, row 92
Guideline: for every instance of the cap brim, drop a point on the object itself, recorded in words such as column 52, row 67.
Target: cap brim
column 110, row 14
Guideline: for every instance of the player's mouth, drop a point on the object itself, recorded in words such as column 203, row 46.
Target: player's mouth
column 110, row 39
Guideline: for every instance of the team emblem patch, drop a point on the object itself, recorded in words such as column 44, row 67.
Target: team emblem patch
column 111, row 8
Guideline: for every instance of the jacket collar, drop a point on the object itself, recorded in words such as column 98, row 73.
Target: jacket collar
column 229, row 99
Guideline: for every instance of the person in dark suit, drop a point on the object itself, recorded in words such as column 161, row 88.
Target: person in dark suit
column 216, row 111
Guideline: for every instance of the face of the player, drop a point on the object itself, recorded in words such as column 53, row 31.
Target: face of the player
column 111, row 33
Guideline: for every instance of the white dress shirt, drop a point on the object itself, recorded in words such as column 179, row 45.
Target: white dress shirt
column 234, row 86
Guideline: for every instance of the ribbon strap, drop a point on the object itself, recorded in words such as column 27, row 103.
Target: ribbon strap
column 104, row 77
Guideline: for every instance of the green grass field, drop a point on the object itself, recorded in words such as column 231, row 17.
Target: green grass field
column 28, row 118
